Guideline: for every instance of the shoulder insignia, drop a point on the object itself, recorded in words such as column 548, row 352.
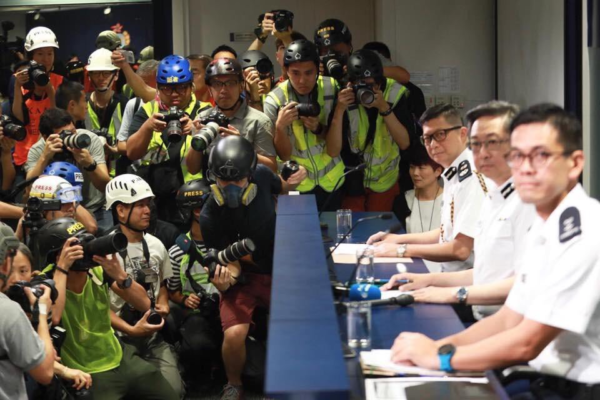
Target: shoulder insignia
column 507, row 190
column 450, row 172
column 569, row 224
column 464, row 170
column 481, row 182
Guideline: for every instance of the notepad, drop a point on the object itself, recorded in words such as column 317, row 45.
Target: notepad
column 346, row 254
column 448, row 388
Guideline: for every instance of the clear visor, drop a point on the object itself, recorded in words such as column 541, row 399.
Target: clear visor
column 69, row 194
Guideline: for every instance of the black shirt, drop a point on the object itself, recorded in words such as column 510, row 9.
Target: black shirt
column 222, row 226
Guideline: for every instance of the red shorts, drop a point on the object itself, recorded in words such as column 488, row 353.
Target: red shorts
column 373, row 201
column 238, row 303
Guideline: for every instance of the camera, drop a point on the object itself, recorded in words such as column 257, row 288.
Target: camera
column 12, row 130
column 289, row 168
column 364, row 93
column 264, row 68
column 17, row 291
column 58, row 335
column 308, row 109
column 114, row 242
column 209, row 132
column 128, row 55
column 103, row 133
column 147, row 278
column 282, row 19
column 75, row 141
column 334, row 65
column 35, row 207
column 174, row 128
column 232, row 253
column 37, row 74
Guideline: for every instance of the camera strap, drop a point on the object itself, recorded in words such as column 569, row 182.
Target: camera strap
column 145, row 249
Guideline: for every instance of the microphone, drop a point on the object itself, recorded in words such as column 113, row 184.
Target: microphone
column 403, row 300
column 360, row 167
column 378, row 216
column 364, row 291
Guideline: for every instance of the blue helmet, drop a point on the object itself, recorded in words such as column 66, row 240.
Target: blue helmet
column 65, row 170
column 173, row 70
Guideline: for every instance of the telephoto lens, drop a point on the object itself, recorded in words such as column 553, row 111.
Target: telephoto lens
column 308, row 109
column 154, row 318
column 264, row 66
column 205, row 136
column 75, row 141
column 12, row 130
column 335, row 68
column 236, row 251
column 364, row 93
column 115, row 242
column 174, row 131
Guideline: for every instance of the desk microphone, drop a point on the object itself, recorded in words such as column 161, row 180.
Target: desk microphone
column 360, row 167
column 364, row 291
column 378, row 216
column 403, row 300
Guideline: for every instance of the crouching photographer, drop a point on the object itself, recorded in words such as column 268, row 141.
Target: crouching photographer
column 84, row 268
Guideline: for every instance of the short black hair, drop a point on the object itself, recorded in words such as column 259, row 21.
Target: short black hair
column 54, row 118
column 223, row 47
column 418, row 156
column 379, row 47
column 566, row 124
column 67, row 91
column 448, row 111
column 494, row 108
column 295, row 35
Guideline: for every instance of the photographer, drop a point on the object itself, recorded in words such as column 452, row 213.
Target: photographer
column 146, row 260
column 278, row 23
column 301, row 133
column 8, row 211
column 21, row 349
column 196, row 313
column 70, row 97
column 162, row 151
column 373, row 111
column 259, row 77
column 226, row 85
column 242, row 207
column 34, row 94
column 83, row 280
column 56, row 126
column 198, row 65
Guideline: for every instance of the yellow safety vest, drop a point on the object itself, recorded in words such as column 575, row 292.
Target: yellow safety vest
column 382, row 156
column 92, row 121
column 308, row 149
column 157, row 151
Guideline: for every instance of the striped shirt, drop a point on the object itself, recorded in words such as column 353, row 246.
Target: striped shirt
column 176, row 255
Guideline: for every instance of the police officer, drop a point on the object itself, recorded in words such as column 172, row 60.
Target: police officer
column 225, row 82
column 504, row 222
column 376, row 116
column 242, row 206
column 196, row 314
column 551, row 316
column 162, row 158
column 306, row 139
column 464, row 189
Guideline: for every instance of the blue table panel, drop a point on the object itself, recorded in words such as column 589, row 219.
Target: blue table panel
column 297, row 205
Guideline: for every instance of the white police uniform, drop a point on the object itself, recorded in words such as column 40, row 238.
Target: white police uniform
column 464, row 191
column 559, row 285
column 502, row 227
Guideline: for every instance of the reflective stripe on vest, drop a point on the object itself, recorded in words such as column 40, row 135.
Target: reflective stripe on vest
column 383, row 155
column 197, row 271
column 308, row 149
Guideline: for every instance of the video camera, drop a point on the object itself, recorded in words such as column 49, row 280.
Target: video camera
column 17, row 291
column 34, row 211
column 230, row 254
column 12, row 130
column 174, row 129
column 209, row 132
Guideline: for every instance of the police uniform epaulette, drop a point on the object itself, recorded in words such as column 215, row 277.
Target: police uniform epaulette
column 464, row 170
column 481, row 181
column 183, row 242
column 507, row 190
column 569, row 224
column 450, row 172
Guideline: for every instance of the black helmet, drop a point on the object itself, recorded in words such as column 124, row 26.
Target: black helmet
column 222, row 66
column 301, row 50
column 232, row 159
column 192, row 195
column 364, row 64
column 258, row 60
column 331, row 32
column 53, row 234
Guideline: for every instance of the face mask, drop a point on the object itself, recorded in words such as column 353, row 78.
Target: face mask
column 232, row 195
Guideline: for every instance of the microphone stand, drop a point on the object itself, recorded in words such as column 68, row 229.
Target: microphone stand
column 359, row 167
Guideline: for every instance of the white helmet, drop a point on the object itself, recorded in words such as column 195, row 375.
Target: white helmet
column 128, row 189
column 40, row 37
column 100, row 61
column 55, row 188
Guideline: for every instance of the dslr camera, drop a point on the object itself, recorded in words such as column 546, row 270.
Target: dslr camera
column 209, row 132
column 12, row 130
column 289, row 168
column 308, row 109
column 282, row 19
column 148, row 279
column 103, row 133
column 128, row 55
column 264, row 68
column 17, row 291
column 232, row 253
column 364, row 93
column 37, row 74
column 174, row 129
column 75, row 141
column 114, row 242
column 334, row 65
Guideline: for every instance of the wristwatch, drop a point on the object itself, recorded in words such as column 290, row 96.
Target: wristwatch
column 126, row 284
column 401, row 250
column 462, row 295
column 445, row 354
column 91, row 167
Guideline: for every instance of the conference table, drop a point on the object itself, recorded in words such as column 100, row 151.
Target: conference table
column 304, row 352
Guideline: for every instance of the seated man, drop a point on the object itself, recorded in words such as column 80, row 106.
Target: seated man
column 552, row 314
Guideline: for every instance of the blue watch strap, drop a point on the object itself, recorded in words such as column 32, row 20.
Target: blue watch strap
column 445, row 362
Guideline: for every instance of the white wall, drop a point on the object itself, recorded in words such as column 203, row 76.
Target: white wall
column 531, row 51
column 18, row 18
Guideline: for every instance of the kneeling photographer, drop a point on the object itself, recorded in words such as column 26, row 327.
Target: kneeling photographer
column 84, row 268
column 231, row 116
column 146, row 260
column 62, row 142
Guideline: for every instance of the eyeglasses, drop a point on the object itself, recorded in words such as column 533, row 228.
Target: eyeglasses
column 489, row 145
column 438, row 136
column 180, row 89
column 538, row 158
column 218, row 85
column 104, row 74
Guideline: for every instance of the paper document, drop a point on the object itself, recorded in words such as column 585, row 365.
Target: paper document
column 395, row 388
column 388, row 294
column 346, row 254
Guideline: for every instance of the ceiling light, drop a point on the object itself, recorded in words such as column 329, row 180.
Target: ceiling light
column 107, row 10
column 37, row 15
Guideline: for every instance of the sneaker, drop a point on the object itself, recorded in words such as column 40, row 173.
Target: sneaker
column 232, row 392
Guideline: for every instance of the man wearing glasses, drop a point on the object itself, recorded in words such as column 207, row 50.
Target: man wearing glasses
column 464, row 189
column 226, row 84
column 162, row 155
column 504, row 221
column 552, row 316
